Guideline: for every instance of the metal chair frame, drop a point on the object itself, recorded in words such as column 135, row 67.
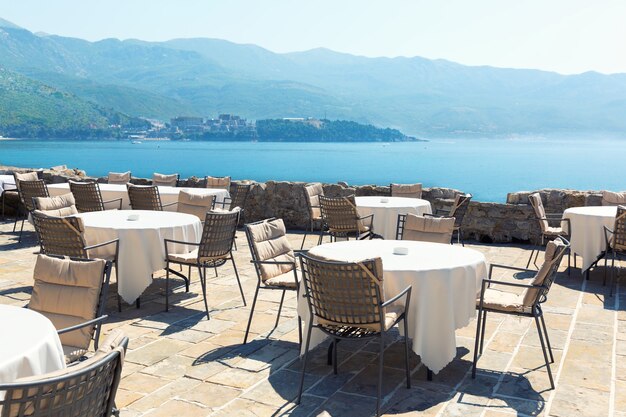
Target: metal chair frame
column 214, row 250
column 89, row 198
column 27, row 190
column 340, row 218
column 88, row 391
column 312, row 221
column 314, row 293
column 535, row 310
column 615, row 237
column 146, row 197
column 261, row 285
column 402, row 220
column 457, row 211
column 391, row 194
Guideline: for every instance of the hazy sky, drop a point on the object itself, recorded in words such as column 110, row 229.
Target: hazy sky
column 567, row 36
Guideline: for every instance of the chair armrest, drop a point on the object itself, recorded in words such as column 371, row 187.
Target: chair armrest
column 406, row 291
column 81, row 325
column 439, row 216
column 366, row 217
column 510, row 284
column 111, row 201
column 169, row 204
column 273, row 262
column 300, row 251
column 514, row 268
column 180, row 242
column 116, row 241
column 443, row 212
column 607, row 232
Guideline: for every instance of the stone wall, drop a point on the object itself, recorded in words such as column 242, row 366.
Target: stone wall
column 484, row 222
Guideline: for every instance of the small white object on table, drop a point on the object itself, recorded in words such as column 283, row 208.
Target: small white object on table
column 387, row 209
column 141, row 247
column 30, row 344
column 168, row 194
column 587, row 234
column 7, row 182
column 445, row 281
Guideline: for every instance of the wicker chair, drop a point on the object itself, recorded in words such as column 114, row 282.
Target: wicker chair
column 548, row 232
column 406, row 190
column 89, row 198
column 425, row 229
column 72, row 293
column 527, row 304
column 346, row 301
column 27, row 189
column 86, row 389
column 8, row 189
column 341, row 219
column 458, row 211
column 195, row 204
column 274, row 262
column 120, row 178
column 165, row 180
column 239, row 199
column 146, row 197
column 615, row 243
column 312, row 194
column 610, row 198
column 214, row 250
column 217, row 182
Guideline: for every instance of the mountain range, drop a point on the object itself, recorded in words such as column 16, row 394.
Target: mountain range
column 113, row 80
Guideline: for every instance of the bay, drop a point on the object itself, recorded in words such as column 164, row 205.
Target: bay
column 487, row 168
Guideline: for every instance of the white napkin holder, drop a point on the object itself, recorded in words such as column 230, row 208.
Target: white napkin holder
column 384, row 200
column 133, row 217
column 401, row 250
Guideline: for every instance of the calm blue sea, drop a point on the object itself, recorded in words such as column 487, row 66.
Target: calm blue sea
column 488, row 168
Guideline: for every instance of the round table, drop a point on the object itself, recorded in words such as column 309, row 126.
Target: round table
column 168, row 194
column 587, row 234
column 387, row 209
column 141, row 246
column 30, row 344
column 445, row 280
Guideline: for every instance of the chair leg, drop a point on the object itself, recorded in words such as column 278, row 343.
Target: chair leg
column 380, row 373
column 406, row 352
column 569, row 261
column 545, row 332
column 306, row 232
column 543, row 349
column 167, row 286
column 335, row 356
column 613, row 273
column 575, row 260
column 482, row 331
column 189, row 275
column 203, row 285
column 477, row 341
column 138, row 303
column 329, row 357
column 280, row 308
column 532, row 252
column 299, row 333
column 238, row 280
column 256, row 293
column 304, row 358
column 19, row 239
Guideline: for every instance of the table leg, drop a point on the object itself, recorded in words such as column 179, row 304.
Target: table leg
column 429, row 375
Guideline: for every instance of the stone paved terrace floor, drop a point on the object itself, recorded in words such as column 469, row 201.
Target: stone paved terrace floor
column 179, row 363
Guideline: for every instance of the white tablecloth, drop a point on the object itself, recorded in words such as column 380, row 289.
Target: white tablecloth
column 141, row 247
column 168, row 194
column 9, row 181
column 386, row 213
column 587, row 234
column 445, row 280
column 29, row 346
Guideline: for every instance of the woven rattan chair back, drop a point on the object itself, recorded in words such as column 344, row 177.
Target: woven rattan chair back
column 540, row 212
column 144, row 197
column 61, row 236
column 85, row 389
column 30, row 189
column 312, row 194
column 340, row 214
column 87, row 195
column 619, row 230
column 459, row 209
column 344, row 294
column 218, row 235
column 241, row 196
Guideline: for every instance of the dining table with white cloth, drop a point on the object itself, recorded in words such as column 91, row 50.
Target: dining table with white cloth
column 141, row 235
column 168, row 194
column 587, row 231
column 445, row 281
column 30, row 345
column 387, row 209
column 7, row 182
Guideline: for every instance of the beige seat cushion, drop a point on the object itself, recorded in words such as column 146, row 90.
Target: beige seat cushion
column 194, row 204
column 164, row 180
column 59, row 206
column 286, row 280
column 554, row 231
column 190, row 258
column 392, row 313
column 406, row 190
column 428, row 229
column 67, row 292
column 122, row 178
column 540, row 211
column 313, row 192
column 73, row 353
column 610, row 198
column 271, row 244
column 218, row 182
column 496, row 299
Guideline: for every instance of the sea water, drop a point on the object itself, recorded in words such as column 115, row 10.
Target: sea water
column 487, row 168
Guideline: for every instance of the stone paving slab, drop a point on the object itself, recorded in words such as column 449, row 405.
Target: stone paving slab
column 181, row 364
